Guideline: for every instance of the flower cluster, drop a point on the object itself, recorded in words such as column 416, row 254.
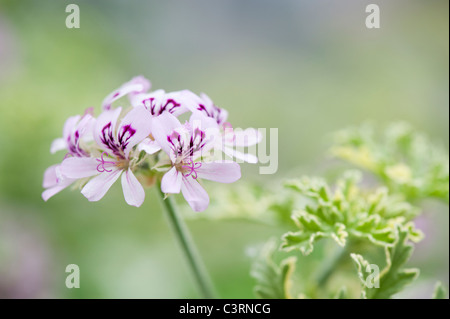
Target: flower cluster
column 148, row 138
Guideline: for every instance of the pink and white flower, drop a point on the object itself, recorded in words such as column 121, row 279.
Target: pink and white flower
column 101, row 150
column 76, row 132
column 187, row 147
column 114, row 160
column 230, row 138
column 160, row 102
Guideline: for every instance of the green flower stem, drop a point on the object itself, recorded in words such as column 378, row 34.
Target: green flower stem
column 188, row 246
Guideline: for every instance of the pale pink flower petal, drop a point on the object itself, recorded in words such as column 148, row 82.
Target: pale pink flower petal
column 220, row 171
column 207, row 107
column 134, row 128
column 97, row 187
column 135, row 86
column 194, row 194
column 159, row 102
column 50, row 176
column 80, row 167
column 54, row 182
column 62, row 184
column 171, row 181
column 105, row 128
column 69, row 125
column 163, row 126
column 58, row 145
column 149, row 146
column 132, row 190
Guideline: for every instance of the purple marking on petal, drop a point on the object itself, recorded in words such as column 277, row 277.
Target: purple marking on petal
column 214, row 112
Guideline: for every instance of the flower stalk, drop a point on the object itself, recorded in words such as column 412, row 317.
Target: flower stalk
column 190, row 251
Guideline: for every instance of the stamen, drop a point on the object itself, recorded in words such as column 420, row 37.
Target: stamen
column 192, row 169
column 101, row 167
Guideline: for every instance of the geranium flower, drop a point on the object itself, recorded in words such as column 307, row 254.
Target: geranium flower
column 230, row 138
column 116, row 157
column 76, row 132
column 159, row 102
column 187, row 147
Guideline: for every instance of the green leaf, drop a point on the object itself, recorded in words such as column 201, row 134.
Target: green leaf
column 273, row 281
column 403, row 159
column 439, row 291
column 394, row 277
column 346, row 212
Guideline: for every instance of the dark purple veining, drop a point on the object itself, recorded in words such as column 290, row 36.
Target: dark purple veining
column 156, row 109
column 117, row 147
column 214, row 112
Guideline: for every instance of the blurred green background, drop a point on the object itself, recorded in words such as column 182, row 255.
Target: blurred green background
column 307, row 68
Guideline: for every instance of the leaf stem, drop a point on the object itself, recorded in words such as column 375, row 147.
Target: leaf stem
column 182, row 233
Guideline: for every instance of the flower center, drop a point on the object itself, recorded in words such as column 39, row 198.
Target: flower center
column 101, row 167
column 189, row 168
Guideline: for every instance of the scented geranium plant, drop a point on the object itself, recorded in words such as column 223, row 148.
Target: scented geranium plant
column 147, row 140
column 350, row 234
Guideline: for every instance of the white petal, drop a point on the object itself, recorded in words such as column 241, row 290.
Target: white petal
column 163, row 126
column 149, row 146
column 70, row 125
column 132, row 190
column 135, row 86
column 171, row 181
column 220, row 171
column 105, row 127
column 58, row 145
column 97, row 187
column 49, row 192
column 194, row 194
column 50, row 177
column 79, row 167
column 138, row 121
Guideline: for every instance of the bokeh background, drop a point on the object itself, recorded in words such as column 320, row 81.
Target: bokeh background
column 307, row 68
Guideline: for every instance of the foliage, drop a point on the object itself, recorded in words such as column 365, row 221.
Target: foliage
column 404, row 160
column 359, row 216
column 394, row 277
column 347, row 212
column 274, row 281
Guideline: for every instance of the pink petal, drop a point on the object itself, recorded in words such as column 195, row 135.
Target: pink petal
column 163, row 126
column 139, row 121
column 171, row 181
column 57, row 188
column 58, row 145
column 149, row 146
column 135, row 86
column 106, row 125
column 97, row 187
column 86, row 125
column 194, row 194
column 209, row 126
column 220, row 171
column 79, row 167
column 132, row 190
column 70, row 125
column 186, row 99
column 50, row 176
column 246, row 157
